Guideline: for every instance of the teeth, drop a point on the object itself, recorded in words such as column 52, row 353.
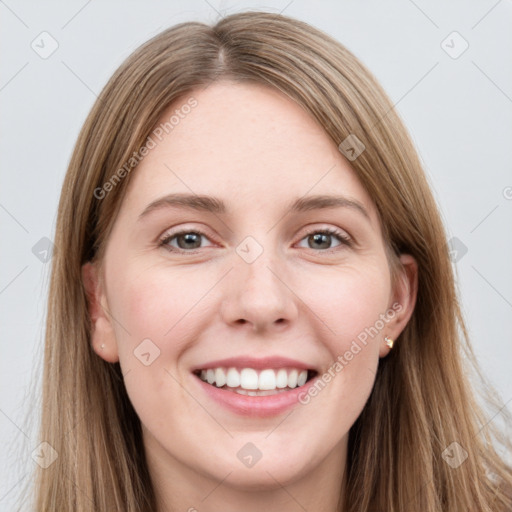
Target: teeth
column 260, row 393
column 250, row 380
column 220, row 377
column 210, row 376
column 301, row 379
column 233, row 378
column 267, row 380
column 292, row 378
column 282, row 378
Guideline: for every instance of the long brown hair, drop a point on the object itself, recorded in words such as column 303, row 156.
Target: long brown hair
column 422, row 401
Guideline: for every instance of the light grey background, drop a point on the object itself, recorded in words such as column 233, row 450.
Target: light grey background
column 458, row 110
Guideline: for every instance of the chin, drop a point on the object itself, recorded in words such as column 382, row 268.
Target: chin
column 271, row 473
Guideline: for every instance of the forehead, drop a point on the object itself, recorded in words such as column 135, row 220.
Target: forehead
column 244, row 141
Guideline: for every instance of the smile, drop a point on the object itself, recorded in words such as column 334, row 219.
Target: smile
column 254, row 382
column 254, row 393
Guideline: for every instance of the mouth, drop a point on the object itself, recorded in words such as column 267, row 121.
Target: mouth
column 256, row 382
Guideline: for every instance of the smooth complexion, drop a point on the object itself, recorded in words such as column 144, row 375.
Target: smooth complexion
column 198, row 300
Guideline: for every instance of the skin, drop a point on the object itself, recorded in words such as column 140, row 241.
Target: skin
column 257, row 150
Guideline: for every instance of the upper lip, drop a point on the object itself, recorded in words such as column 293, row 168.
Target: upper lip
column 256, row 363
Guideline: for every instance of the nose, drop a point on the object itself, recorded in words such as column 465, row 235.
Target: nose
column 258, row 295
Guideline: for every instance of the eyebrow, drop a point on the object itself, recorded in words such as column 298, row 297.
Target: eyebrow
column 211, row 204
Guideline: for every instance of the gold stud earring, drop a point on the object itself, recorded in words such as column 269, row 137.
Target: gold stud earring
column 389, row 341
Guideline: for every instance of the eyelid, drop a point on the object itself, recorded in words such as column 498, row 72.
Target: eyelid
column 334, row 230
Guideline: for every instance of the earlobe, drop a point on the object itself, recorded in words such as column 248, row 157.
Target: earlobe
column 102, row 334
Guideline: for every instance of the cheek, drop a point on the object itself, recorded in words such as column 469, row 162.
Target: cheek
column 349, row 299
column 352, row 302
column 156, row 303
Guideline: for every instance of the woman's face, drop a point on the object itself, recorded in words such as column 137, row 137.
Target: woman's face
column 236, row 263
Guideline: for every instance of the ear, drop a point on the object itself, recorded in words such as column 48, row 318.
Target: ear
column 403, row 300
column 103, row 338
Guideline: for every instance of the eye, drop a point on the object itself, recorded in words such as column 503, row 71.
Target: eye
column 186, row 239
column 322, row 239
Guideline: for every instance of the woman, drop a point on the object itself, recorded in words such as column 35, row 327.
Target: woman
column 252, row 304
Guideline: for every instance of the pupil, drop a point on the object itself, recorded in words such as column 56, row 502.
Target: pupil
column 323, row 239
column 189, row 238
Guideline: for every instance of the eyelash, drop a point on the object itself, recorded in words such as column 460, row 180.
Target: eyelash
column 341, row 236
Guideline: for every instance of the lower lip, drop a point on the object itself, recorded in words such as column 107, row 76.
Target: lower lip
column 256, row 406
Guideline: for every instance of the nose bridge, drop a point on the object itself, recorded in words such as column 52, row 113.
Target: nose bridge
column 257, row 270
column 260, row 276
column 258, row 293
